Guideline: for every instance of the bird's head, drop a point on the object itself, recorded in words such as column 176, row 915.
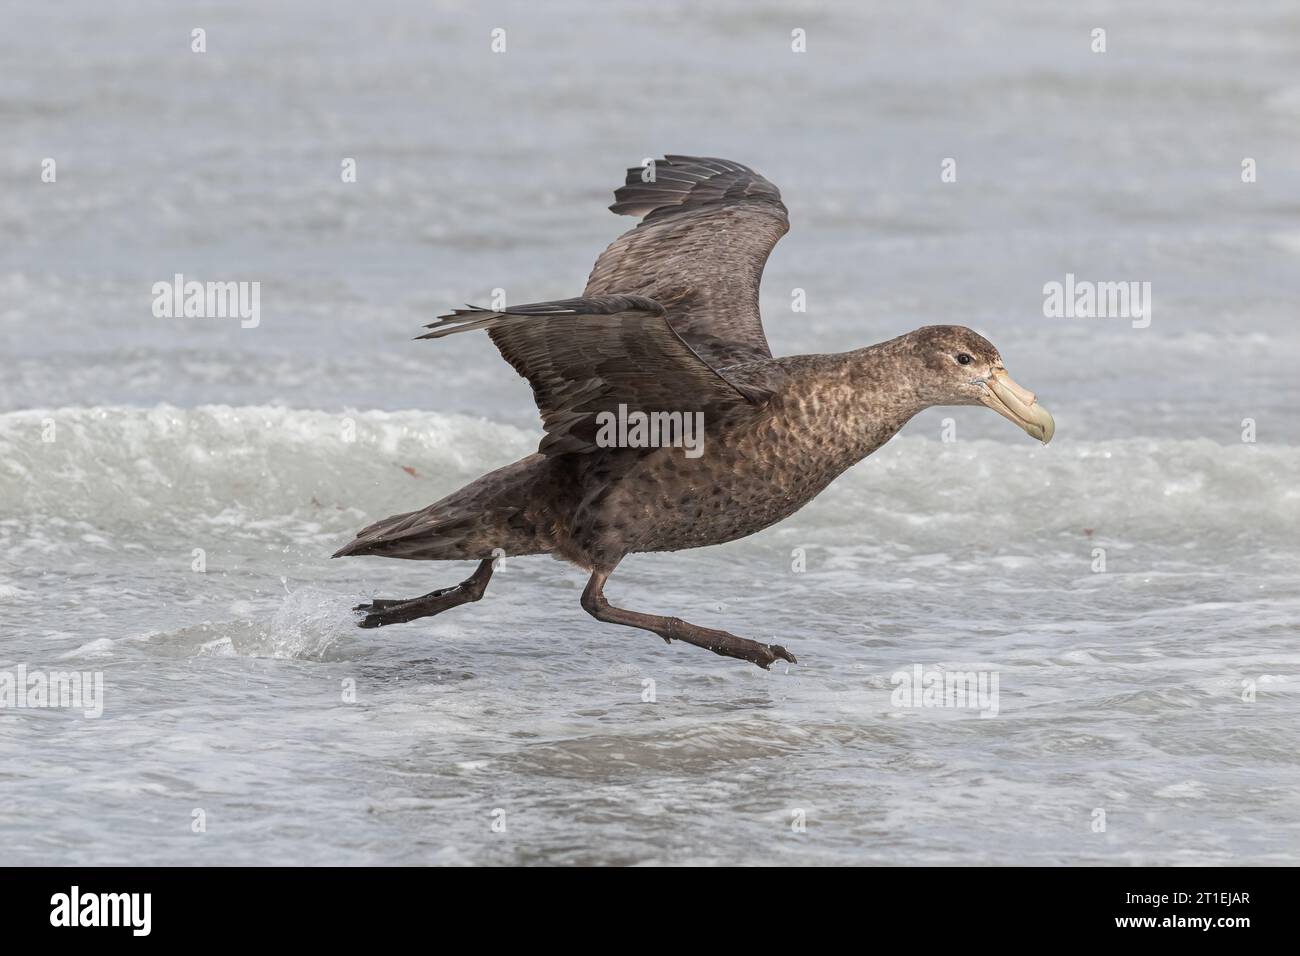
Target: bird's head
column 961, row 367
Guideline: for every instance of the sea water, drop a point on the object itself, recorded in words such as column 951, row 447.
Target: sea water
column 171, row 488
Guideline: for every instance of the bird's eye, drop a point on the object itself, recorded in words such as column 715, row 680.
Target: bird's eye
column 964, row 359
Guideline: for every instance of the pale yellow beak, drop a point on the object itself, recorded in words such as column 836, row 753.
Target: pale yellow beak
column 1009, row 400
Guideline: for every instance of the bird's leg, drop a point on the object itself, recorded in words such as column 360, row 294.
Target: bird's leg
column 675, row 629
column 382, row 612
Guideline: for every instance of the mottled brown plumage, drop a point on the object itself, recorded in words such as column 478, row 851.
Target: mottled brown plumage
column 669, row 322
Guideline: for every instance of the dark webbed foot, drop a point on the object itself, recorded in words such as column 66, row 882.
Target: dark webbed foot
column 383, row 604
column 383, row 611
column 764, row 655
column 720, row 642
column 675, row 629
column 780, row 652
column 380, row 604
column 399, row 612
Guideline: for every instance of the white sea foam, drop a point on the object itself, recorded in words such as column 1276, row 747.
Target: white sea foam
column 267, row 469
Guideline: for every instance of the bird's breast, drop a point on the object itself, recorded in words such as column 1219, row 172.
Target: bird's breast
column 743, row 477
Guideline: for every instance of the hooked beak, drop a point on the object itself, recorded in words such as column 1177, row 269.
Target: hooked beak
column 1009, row 400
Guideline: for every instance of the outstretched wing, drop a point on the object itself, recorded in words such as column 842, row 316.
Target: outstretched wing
column 588, row 355
column 707, row 228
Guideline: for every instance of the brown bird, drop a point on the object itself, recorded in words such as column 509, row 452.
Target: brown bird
column 668, row 423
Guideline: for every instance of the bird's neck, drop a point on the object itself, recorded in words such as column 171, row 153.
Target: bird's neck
column 861, row 398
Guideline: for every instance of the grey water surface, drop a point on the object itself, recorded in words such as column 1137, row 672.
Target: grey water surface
column 171, row 488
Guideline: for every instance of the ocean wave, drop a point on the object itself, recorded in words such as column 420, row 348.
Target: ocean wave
column 127, row 464
column 105, row 467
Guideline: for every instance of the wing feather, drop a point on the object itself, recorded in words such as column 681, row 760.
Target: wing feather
column 592, row 354
column 708, row 226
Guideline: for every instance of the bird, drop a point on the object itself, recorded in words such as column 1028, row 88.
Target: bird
column 668, row 331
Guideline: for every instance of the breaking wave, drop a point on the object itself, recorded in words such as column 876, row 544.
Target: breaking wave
column 107, row 467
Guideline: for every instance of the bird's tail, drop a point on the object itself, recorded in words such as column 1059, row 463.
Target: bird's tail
column 487, row 518
column 430, row 536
